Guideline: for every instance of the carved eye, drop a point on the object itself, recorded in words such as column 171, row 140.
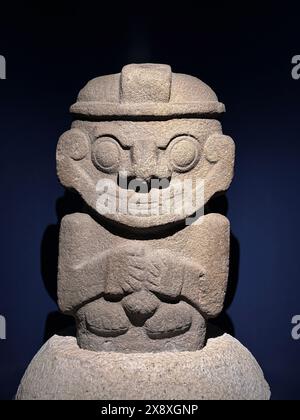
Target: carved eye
column 106, row 154
column 184, row 153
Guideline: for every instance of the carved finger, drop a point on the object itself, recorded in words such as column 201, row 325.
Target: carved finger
column 136, row 273
column 154, row 270
column 133, row 284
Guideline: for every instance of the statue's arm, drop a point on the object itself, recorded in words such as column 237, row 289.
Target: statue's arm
column 202, row 278
column 82, row 268
column 87, row 270
column 205, row 286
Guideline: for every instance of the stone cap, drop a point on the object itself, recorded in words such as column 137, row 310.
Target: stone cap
column 146, row 90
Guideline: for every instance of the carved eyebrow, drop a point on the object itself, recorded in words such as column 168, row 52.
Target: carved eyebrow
column 165, row 144
column 107, row 134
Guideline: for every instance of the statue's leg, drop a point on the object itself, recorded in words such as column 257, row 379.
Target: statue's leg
column 180, row 326
column 137, row 324
column 98, row 321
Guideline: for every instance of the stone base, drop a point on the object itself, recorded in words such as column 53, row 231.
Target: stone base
column 223, row 370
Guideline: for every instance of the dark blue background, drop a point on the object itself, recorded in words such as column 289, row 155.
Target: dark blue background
column 245, row 55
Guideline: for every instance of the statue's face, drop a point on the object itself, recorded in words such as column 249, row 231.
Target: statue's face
column 131, row 167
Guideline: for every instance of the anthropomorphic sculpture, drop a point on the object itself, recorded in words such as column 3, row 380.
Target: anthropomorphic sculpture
column 146, row 281
column 145, row 266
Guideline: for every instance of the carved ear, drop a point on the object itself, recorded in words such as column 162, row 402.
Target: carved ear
column 219, row 150
column 73, row 145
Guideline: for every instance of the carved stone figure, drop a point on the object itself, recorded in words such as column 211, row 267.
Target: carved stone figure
column 143, row 282
column 144, row 268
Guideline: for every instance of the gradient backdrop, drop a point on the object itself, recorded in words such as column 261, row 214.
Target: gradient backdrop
column 245, row 56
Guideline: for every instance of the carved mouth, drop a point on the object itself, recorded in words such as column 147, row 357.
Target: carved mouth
column 133, row 197
column 142, row 186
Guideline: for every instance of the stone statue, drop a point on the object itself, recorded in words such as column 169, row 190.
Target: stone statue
column 132, row 290
column 139, row 276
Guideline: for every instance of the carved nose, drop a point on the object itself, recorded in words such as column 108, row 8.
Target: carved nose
column 144, row 158
column 146, row 164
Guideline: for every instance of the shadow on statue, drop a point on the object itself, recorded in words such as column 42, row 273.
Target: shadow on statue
column 223, row 322
column 56, row 322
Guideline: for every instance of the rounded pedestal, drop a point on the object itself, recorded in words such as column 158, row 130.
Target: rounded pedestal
column 223, row 370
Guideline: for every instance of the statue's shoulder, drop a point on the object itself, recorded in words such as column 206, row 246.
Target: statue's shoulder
column 212, row 223
column 216, row 220
column 77, row 219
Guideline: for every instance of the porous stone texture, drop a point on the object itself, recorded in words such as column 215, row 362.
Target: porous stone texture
column 146, row 90
column 145, row 280
column 176, row 150
column 137, row 296
column 144, row 268
column 223, row 370
column 150, row 123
